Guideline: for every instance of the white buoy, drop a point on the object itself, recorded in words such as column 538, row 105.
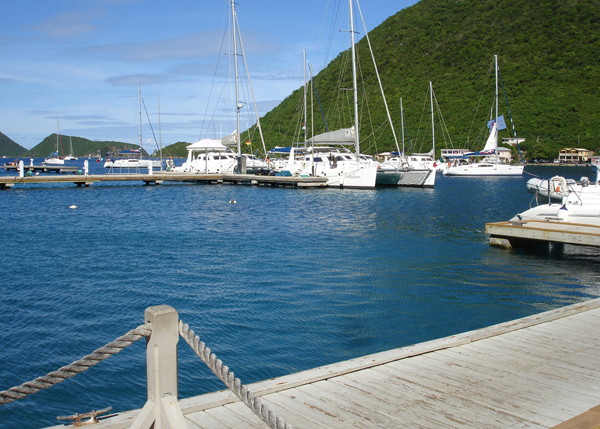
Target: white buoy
column 73, row 206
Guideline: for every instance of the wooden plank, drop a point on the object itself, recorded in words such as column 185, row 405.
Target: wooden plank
column 441, row 408
column 475, row 393
column 568, row 233
column 366, row 402
column 484, row 383
column 236, row 416
column 549, row 384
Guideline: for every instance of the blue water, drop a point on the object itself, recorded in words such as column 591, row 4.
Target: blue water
column 283, row 281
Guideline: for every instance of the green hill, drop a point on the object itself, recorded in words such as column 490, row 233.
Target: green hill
column 9, row 148
column 81, row 147
column 549, row 65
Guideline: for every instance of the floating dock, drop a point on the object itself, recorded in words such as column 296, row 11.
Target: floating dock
column 540, row 371
column 44, row 168
column 157, row 178
column 528, row 232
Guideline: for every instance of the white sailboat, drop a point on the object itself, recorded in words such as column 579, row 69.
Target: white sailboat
column 55, row 158
column 490, row 165
column 70, row 156
column 396, row 171
column 138, row 162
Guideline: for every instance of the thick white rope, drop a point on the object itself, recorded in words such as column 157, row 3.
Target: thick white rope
column 76, row 367
column 227, row 377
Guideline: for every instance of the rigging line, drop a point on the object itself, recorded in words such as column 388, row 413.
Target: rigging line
column 444, row 126
column 202, row 127
column 483, row 90
column 319, row 101
column 407, row 136
column 151, row 128
column 510, row 115
column 421, row 121
column 251, row 90
column 378, row 77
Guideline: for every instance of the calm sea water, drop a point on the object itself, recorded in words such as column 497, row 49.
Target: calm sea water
column 283, row 281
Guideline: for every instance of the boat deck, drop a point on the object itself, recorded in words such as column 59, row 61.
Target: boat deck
column 514, row 234
column 535, row 372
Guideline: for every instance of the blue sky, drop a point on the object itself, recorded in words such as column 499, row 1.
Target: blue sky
column 81, row 61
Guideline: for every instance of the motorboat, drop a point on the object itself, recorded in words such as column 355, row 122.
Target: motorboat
column 132, row 163
column 557, row 187
column 208, row 156
column 580, row 204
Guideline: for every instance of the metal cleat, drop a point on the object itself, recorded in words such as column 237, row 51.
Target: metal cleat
column 91, row 416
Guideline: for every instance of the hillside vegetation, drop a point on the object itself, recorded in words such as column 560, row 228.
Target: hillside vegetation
column 549, row 65
column 10, row 148
column 81, row 147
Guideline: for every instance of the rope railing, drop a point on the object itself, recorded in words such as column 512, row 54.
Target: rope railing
column 229, row 379
column 74, row 368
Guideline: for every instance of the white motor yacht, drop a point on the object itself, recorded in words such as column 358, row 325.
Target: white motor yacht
column 209, row 156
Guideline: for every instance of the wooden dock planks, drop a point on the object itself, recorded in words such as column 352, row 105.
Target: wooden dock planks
column 514, row 234
column 160, row 177
column 535, row 372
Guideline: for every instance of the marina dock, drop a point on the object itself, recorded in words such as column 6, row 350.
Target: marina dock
column 523, row 233
column 539, row 371
column 157, row 178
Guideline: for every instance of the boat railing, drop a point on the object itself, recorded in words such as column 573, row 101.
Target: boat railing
column 161, row 329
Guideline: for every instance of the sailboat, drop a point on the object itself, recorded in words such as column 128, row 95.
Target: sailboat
column 217, row 156
column 138, row 161
column 55, row 158
column 490, row 165
column 416, row 170
column 71, row 157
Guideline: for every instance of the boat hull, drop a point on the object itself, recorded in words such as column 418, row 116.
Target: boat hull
column 132, row 163
column 484, row 169
column 409, row 178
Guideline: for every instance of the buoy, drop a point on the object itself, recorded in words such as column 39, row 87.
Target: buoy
column 73, row 206
column 233, row 201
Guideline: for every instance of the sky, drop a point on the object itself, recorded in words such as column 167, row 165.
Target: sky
column 74, row 66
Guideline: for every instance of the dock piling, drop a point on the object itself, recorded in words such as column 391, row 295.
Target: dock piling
column 162, row 409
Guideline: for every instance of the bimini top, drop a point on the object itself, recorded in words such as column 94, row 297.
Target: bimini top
column 207, row 144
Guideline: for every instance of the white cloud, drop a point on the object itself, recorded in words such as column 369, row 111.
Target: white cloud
column 69, row 25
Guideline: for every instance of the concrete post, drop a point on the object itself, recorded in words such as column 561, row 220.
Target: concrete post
column 162, row 409
column 150, row 167
column 86, row 167
column 21, row 168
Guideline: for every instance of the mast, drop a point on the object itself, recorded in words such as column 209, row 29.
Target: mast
column 357, row 137
column 305, row 108
column 57, row 134
column 140, row 110
column 496, row 70
column 402, row 119
column 237, row 90
column 159, row 133
column 432, row 121
column 496, row 118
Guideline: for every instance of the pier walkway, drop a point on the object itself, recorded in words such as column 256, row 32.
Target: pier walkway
column 160, row 177
column 522, row 233
column 535, row 372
